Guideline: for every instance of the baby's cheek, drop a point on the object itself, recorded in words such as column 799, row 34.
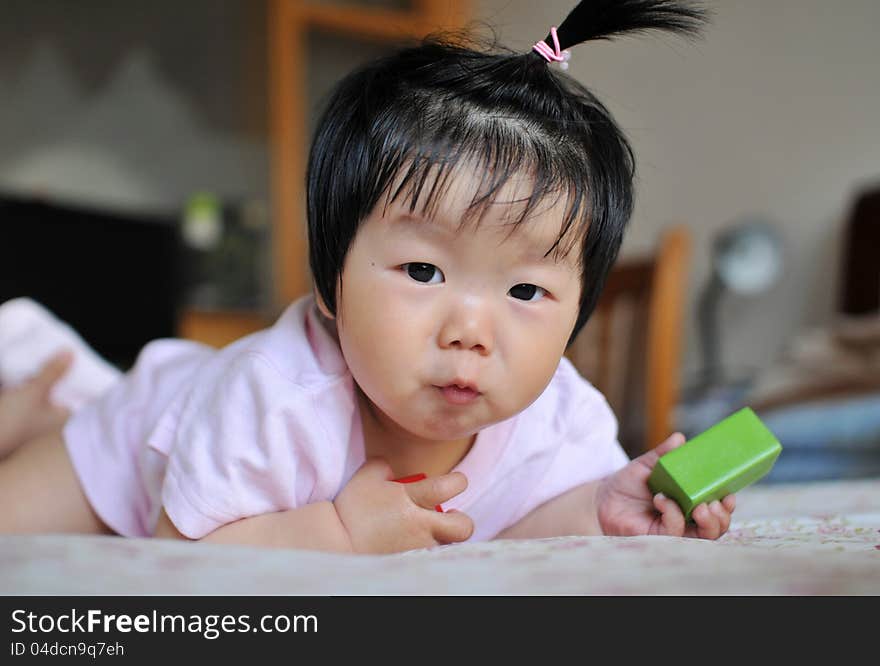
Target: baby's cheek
column 383, row 367
column 530, row 377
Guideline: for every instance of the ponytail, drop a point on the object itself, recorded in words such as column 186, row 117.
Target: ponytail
column 593, row 20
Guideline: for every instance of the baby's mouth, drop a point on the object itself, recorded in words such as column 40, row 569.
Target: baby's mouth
column 459, row 393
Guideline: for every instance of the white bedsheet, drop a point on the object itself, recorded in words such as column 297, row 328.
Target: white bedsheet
column 802, row 539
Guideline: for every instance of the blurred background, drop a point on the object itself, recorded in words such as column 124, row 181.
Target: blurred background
column 151, row 159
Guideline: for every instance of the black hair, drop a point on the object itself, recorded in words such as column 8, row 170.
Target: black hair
column 418, row 113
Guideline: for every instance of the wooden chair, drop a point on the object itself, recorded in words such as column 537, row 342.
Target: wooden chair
column 630, row 348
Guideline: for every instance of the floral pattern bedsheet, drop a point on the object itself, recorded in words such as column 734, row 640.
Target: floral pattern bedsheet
column 795, row 539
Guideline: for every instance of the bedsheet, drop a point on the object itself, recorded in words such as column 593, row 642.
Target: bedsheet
column 791, row 539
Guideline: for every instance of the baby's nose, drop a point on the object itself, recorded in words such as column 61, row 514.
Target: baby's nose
column 468, row 326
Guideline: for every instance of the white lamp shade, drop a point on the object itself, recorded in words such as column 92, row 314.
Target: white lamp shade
column 748, row 259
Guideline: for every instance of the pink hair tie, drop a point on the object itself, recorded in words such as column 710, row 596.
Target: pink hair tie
column 562, row 57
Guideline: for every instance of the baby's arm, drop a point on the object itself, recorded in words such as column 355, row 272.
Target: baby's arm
column 372, row 514
column 622, row 504
column 572, row 513
column 311, row 527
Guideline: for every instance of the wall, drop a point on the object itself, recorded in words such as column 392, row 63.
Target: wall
column 133, row 105
column 775, row 113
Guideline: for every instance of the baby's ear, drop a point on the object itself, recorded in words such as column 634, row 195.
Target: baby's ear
column 322, row 306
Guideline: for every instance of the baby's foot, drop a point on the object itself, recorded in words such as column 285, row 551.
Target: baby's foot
column 26, row 411
column 30, row 335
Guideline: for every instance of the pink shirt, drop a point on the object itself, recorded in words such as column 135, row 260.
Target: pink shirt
column 271, row 423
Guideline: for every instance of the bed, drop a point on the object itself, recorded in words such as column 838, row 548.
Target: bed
column 820, row 538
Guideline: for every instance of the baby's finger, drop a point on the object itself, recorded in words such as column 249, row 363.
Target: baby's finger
column 671, row 517
column 729, row 502
column 650, row 458
column 674, row 440
column 452, row 527
column 722, row 514
column 435, row 490
column 708, row 522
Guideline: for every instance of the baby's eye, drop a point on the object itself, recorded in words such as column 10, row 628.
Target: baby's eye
column 527, row 292
column 427, row 273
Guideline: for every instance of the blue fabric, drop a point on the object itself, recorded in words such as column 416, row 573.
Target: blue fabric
column 852, row 423
column 828, row 439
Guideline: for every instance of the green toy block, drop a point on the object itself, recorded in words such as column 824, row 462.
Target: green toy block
column 729, row 456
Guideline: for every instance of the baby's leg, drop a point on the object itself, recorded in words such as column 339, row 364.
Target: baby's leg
column 40, row 492
column 30, row 335
column 26, row 412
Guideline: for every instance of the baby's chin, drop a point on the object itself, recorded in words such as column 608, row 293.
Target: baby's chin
column 443, row 428
column 446, row 423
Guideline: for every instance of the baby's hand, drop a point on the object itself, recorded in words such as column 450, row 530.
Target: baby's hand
column 627, row 507
column 382, row 516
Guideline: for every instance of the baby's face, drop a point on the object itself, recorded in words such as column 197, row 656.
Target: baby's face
column 447, row 331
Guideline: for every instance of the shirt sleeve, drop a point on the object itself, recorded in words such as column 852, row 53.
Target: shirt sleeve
column 238, row 445
column 588, row 447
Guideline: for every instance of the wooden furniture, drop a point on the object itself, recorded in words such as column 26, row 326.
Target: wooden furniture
column 219, row 327
column 860, row 268
column 288, row 28
column 631, row 347
column 289, row 23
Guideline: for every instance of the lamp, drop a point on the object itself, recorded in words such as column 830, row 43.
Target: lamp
column 746, row 261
